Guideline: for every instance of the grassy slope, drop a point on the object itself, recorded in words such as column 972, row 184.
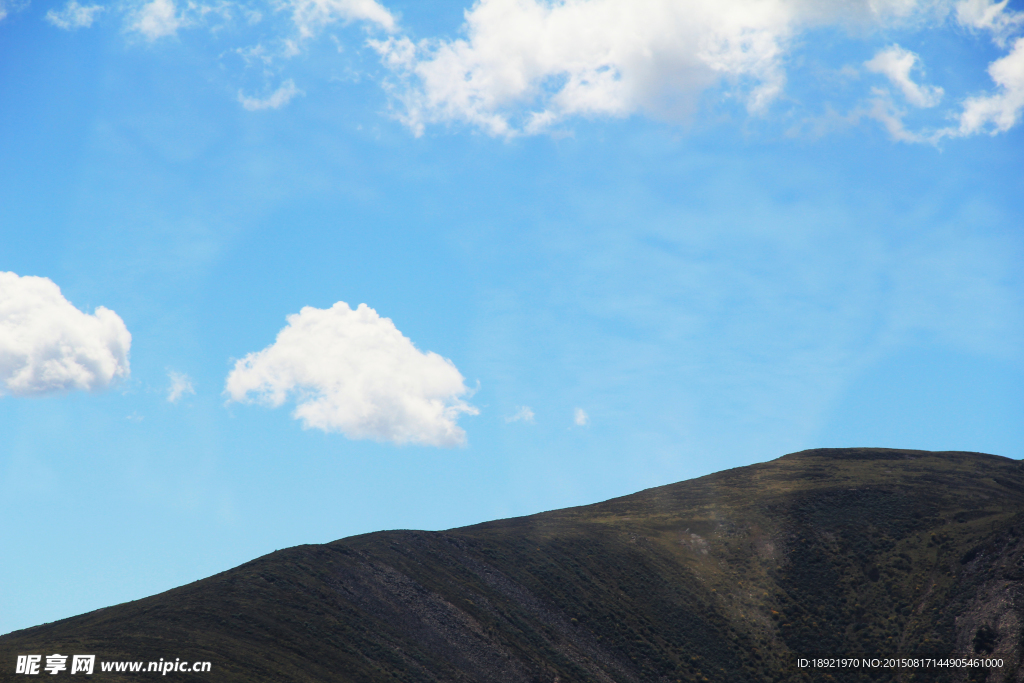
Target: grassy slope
column 728, row 577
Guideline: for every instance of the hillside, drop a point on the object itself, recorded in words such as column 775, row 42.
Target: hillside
column 729, row 577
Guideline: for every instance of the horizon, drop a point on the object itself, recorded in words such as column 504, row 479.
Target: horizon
column 277, row 274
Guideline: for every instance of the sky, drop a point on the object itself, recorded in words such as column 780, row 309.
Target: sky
column 275, row 273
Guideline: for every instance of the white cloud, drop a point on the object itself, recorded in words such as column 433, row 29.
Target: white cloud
column 524, row 414
column 157, row 19
column 354, row 372
column 524, row 65
column 589, row 57
column 280, row 97
column 312, row 15
column 49, row 346
column 74, row 16
column 895, row 63
column 989, row 16
column 580, row 418
column 999, row 112
column 181, row 384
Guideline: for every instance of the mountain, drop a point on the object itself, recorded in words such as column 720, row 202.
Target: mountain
column 858, row 552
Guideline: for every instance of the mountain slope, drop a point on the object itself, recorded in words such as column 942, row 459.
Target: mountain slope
column 729, row 577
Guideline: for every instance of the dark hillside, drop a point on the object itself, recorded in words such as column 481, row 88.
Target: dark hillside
column 730, row 577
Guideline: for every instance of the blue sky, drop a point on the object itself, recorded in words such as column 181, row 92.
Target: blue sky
column 602, row 246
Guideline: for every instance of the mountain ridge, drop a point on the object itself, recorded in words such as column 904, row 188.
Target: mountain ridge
column 728, row 577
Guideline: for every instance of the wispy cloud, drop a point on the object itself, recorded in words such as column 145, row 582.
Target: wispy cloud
column 524, row 414
column 882, row 109
column 310, row 16
column 157, row 19
column 8, row 6
column 280, row 97
column 74, row 16
column 181, row 384
column 353, row 372
column 895, row 63
column 580, row 418
column 48, row 346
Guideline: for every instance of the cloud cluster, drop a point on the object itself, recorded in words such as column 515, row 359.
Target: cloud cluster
column 525, row 65
column 349, row 371
column 993, row 17
column 352, row 371
column 48, row 346
column 991, row 113
column 999, row 112
column 74, row 16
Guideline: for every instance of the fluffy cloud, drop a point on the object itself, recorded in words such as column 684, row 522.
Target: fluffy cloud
column 999, row 112
column 895, row 63
column 74, row 16
column 588, row 57
column 353, row 372
column 526, row 64
column 181, row 384
column 580, row 418
column 524, row 414
column 280, row 97
column 49, row 346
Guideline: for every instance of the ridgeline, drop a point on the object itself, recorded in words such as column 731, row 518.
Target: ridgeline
column 857, row 552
